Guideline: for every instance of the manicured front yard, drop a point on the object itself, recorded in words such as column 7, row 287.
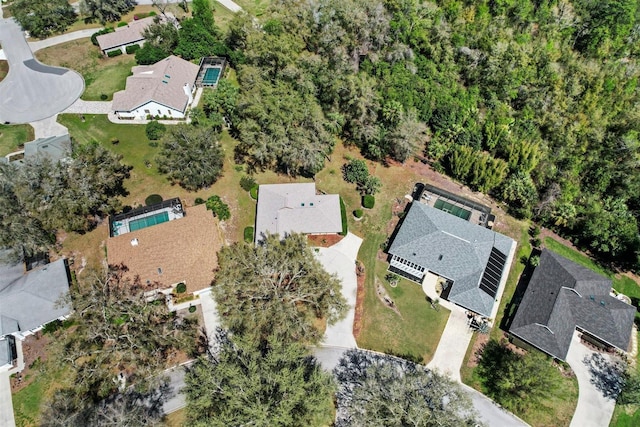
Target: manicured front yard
column 12, row 137
column 102, row 76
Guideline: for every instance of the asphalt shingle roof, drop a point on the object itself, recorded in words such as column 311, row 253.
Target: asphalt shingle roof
column 563, row 295
column 450, row 247
column 30, row 300
column 130, row 33
column 296, row 208
column 163, row 82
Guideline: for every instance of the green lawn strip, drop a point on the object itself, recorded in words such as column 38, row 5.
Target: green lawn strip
column 106, row 79
column 13, row 136
column 27, row 403
column 254, row 7
column 4, row 69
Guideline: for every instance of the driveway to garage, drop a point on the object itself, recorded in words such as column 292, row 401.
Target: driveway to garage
column 594, row 409
column 340, row 259
column 32, row 91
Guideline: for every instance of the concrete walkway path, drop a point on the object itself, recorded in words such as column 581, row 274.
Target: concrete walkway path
column 594, row 409
column 6, row 404
column 89, row 107
column 453, row 345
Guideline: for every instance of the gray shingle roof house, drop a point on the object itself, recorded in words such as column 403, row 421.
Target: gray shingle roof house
column 29, row 301
column 562, row 296
column 296, row 208
column 164, row 88
column 471, row 257
column 55, row 148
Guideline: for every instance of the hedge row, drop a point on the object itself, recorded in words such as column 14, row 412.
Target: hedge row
column 132, row 48
column 113, row 53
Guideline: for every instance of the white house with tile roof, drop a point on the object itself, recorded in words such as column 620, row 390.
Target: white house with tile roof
column 164, row 89
column 296, row 208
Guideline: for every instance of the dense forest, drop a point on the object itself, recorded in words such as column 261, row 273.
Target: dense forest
column 533, row 102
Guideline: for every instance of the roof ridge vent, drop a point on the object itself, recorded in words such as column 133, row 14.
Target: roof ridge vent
column 572, row 289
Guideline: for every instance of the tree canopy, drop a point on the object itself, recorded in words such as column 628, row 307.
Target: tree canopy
column 276, row 290
column 536, row 104
column 191, row 156
column 517, row 382
column 41, row 18
column 71, row 195
column 106, row 10
column 119, row 339
column 277, row 384
column 381, row 390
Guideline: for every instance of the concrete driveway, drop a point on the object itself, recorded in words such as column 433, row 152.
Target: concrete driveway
column 32, row 91
column 6, row 405
column 594, row 409
column 340, row 259
column 453, row 345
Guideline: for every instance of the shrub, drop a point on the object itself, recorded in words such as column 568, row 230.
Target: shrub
column 368, row 201
column 254, row 192
column 534, row 261
column 219, row 208
column 155, row 130
column 94, row 36
column 248, row 234
column 153, row 199
column 152, row 13
column 343, row 215
column 355, row 171
column 534, row 231
column 247, row 183
column 132, row 48
column 115, row 141
column 104, row 96
column 122, row 24
column 113, row 53
column 535, row 242
column 181, row 288
column 199, row 200
column 192, row 309
column 153, row 144
column 369, row 186
column 358, row 213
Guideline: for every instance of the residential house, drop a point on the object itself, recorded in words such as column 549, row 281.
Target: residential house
column 472, row 260
column 28, row 301
column 162, row 90
column 563, row 297
column 166, row 244
column 296, row 208
column 127, row 35
column 55, row 148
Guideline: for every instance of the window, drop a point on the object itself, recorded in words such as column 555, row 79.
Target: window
column 159, row 112
column 147, row 111
column 159, row 270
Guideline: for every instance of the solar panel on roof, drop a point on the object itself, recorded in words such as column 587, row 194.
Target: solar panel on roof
column 493, row 272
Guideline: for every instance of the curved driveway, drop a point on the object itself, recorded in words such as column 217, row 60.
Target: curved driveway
column 32, row 91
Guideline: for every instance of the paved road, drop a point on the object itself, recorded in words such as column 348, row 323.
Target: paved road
column 32, row 91
column 593, row 410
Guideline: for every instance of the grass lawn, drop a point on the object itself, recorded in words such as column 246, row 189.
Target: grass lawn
column 176, row 419
column 254, row 7
column 101, row 75
column 12, row 137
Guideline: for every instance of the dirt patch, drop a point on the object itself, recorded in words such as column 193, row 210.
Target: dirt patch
column 34, row 348
column 386, row 299
column 478, row 345
column 323, row 240
column 4, row 69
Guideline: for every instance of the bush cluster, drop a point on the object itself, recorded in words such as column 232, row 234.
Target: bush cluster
column 247, row 183
column 94, row 36
column 132, row 48
column 368, row 201
column 248, row 234
column 358, row 213
column 113, row 53
column 219, row 208
column 155, row 130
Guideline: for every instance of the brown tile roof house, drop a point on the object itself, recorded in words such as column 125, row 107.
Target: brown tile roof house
column 181, row 250
column 124, row 36
column 168, row 82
